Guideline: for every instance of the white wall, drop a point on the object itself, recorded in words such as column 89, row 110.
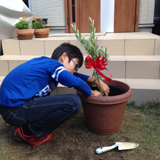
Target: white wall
column 107, row 16
column 146, row 15
column 146, row 11
column 51, row 9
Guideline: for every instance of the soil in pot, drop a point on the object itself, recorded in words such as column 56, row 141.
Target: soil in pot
column 114, row 90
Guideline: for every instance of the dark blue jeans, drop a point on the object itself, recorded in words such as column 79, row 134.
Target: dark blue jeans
column 43, row 115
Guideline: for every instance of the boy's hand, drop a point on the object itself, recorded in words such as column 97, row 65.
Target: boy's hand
column 95, row 93
column 104, row 87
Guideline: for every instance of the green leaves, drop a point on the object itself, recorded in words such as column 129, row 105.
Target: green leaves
column 22, row 24
column 90, row 44
column 38, row 24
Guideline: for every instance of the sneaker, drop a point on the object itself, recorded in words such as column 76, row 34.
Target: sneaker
column 20, row 136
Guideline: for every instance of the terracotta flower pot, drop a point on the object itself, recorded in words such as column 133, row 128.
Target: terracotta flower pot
column 24, row 34
column 104, row 115
column 41, row 33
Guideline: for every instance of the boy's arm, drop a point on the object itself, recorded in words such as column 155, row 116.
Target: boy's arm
column 61, row 75
column 82, row 76
column 85, row 78
column 68, row 79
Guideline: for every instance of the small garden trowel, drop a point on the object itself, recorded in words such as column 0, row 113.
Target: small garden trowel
column 120, row 145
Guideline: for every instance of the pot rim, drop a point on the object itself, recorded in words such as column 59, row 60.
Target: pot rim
column 24, row 29
column 42, row 29
column 109, row 99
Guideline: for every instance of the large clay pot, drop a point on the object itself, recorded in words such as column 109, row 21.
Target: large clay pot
column 104, row 115
column 41, row 33
column 24, row 34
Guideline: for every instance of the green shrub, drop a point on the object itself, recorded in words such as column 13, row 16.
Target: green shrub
column 39, row 23
column 22, row 24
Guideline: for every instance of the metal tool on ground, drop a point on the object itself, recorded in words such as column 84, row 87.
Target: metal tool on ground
column 120, row 145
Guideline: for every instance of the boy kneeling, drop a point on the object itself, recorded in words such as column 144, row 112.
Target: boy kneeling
column 23, row 94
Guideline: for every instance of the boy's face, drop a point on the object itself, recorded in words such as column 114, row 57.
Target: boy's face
column 69, row 66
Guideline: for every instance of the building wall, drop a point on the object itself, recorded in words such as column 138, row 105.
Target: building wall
column 146, row 15
column 54, row 11
column 146, row 12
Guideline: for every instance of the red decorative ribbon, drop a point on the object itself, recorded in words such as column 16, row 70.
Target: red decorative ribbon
column 98, row 65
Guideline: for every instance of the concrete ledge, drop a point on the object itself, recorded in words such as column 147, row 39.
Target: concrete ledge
column 116, row 66
column 139, row 35
column 9, row 62
column 158, row 57
column 139, row 47
column 153, row 84
column 144, row 90
column 1, row 79
column 4, row 68
column 137, row 43
column 140, row 96
column 157, row 47
column 142, row 67
column 138, row 67
column 114, row 47
column 11, row 47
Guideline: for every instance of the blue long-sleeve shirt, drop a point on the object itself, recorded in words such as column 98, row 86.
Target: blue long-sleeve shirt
column 38, row 77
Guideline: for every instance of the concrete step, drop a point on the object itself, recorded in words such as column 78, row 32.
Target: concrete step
column 1, row 79
column 144, row 90
column 137, row 43
column 9, row 62
column 135, row 67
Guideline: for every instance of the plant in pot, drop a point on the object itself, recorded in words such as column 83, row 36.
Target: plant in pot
column 22, row 29
column 103, row 115
column 40, row 27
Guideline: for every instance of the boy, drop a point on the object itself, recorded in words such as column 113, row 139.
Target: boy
column 23, row 94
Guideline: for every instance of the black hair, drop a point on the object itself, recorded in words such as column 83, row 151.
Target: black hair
column 71, row 50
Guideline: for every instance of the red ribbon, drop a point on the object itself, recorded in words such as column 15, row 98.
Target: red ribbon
column 98, row 65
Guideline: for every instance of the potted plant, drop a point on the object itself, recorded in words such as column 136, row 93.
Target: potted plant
column 103, row 115
column 22, row 29
column 40, row 27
